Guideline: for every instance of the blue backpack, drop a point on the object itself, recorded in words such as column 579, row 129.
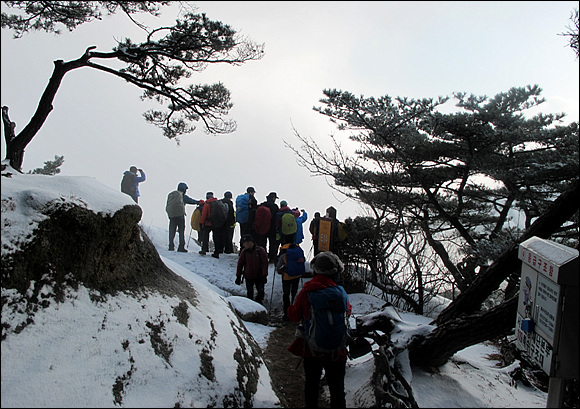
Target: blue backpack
column 326, row 329
column 243, row 208
column 295, row 261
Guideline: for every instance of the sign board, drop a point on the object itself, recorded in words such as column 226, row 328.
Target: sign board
column 324, row 230
column 547, row 314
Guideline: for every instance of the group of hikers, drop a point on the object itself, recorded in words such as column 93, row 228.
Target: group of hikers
column 273, row 234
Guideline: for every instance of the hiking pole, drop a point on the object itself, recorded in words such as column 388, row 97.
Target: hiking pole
column 272, row 293
column 189, row 237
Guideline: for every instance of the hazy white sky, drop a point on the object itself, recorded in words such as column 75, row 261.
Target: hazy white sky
column 412, row 49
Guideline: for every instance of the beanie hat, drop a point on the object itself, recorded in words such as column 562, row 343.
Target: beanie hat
column 283, row 203
column 182, row 187
column 327, row 263
column 228, row 194
column 246, row 238
column 209, row 195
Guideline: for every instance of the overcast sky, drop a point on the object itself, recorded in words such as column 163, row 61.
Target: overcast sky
column 408, row 49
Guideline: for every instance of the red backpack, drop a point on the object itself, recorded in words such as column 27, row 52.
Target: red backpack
column 262, row 220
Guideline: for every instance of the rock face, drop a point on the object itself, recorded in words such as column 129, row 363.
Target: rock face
column 86, row 271
column 104, row 253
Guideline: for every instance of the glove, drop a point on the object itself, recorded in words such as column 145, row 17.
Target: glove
column 238, row 280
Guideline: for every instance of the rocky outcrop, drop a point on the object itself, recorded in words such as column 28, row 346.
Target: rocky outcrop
column 104, row 253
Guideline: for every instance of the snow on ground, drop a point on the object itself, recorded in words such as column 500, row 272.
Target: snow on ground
column 43, row 366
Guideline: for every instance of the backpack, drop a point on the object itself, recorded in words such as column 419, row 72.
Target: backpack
column 196, row 219
column 175, row 206
column 326, row 330
column 288, row 224
column 242, row 208
column 128, row 183
column 295, row 261
column 263, row 220
column 218, row 213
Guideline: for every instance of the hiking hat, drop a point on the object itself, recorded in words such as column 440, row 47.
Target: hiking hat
column 272, row 194
column 283, row 203
column 250, row 190
column 247, row 237
column 182, row 187
column 326, row 263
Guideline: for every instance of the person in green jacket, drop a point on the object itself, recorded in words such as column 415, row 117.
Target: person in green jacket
column 175, row 209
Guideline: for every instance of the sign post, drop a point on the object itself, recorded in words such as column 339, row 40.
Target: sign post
column 547, row 318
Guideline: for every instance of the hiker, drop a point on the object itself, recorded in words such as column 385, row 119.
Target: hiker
column 300, row 219
column 175, row 209
column 313, row 229
column 253, row 266
column 268, row 240
column 213, row 217
column 130, row 182
column 286, row 225
column 228, row 237
column 291, row 267
column 326, row 267
column 246, row 205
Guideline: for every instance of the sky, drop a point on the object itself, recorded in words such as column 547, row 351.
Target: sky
column 74, row 351
column 407, row 49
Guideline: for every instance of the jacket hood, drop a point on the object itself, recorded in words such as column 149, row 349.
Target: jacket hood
column 182, row 187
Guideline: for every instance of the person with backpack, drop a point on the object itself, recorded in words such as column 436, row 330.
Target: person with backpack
column 285, row 223
column 246, row 206
column 228, row 236
column 130, row 182
column 313, row 229
column 323, row 308
column 291, row 267
column 175, row 209
column 253, row 267
column 300, row 219
column 213, row 219
column 265, row 226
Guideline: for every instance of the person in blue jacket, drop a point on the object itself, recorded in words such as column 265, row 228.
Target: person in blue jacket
column 130, row 182
column 299, row 221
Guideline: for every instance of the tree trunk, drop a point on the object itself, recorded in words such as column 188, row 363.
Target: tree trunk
column 469, row 301
column 455, row 334
column 15, row 144
column 455, row 328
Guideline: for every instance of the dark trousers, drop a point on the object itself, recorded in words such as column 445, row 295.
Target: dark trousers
column 259, row 283
column 204, row 238
column 334, row 371
column 289, row 288
column 229, row 242
column 177, row 224
column 273, row 245
column 219, row 238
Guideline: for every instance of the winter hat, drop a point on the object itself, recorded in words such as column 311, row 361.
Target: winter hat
column 246, row 238
column 133, row 169
column 182, row 187
column 326, row 263
column 228, row 195
column 209, row 195
column 283, row 203
column 250, row 190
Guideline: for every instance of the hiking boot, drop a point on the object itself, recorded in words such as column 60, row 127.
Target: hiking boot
column 215, row 255
column 182, row 250
column 203, row 253
column 171, row 249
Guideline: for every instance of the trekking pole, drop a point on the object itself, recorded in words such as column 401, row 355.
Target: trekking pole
column 189, row 238
column 272, row 293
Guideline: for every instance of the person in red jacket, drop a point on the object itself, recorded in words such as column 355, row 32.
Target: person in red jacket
column 326, row 269
column 253, row 265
